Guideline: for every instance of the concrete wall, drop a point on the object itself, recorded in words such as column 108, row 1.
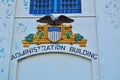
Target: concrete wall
column 6, row 29
column 108, row 30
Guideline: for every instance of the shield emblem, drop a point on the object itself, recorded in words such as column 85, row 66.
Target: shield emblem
column 54, row 33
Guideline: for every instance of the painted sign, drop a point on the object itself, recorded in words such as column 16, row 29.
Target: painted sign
column 54, row 32
column 54, row 36
column 54, row 48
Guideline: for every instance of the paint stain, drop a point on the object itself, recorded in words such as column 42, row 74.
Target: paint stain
column 106, row 6
column 8, row 12
column 2, row 39
column 17, row 46
column 21, row 28
column 21, row 25
column 25, row 2
column 115, row 5
column 2, row 55
column 112, row 10
column 2, row 51
column 2, row 70
column 26, row 8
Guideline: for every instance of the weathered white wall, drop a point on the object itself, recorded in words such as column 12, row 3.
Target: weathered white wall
column 6, row 29
column 54, row 66
column 108, row 28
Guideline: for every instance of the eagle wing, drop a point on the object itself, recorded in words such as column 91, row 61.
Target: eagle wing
column 63, row 19
column 46, row 19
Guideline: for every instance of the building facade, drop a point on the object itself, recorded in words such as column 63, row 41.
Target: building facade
column 75, row 40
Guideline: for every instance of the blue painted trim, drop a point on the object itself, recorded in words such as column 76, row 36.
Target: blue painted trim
column 55, row 6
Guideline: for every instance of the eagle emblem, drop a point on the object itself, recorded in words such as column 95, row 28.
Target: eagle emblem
column 54, row 31
column 51, row 20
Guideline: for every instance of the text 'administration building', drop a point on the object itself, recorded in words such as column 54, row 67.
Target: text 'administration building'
column 60, row 46
column 56, row 40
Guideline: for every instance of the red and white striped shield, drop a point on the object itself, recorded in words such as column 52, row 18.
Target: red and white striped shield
column 54, row 33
